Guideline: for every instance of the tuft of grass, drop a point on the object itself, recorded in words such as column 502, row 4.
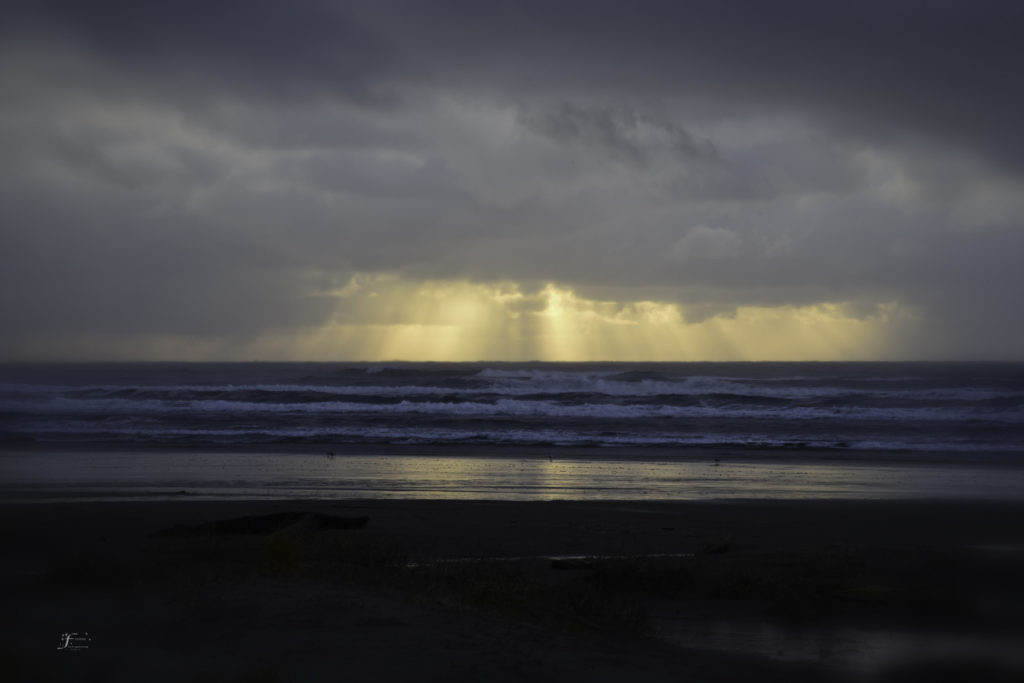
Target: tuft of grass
column 285, row 554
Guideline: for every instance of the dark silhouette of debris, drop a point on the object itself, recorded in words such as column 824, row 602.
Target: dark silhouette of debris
column 263, row 524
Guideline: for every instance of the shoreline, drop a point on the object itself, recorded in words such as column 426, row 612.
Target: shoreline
column 95, row 473
column 130, row 475
column 684, row 453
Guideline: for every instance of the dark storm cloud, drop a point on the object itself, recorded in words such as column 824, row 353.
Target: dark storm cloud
column 945, row 69
column 219, row 168
column 81, row 267
column 259, row 46
column 948, row 70
column 623, row 133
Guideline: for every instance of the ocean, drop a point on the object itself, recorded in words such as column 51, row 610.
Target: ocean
column 855, row 407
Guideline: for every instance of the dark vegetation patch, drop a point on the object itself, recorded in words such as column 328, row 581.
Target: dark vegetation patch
column 263, row 524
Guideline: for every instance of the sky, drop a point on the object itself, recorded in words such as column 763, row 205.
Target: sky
column 511, row 180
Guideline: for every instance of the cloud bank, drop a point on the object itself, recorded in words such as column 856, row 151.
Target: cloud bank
column 228, row 179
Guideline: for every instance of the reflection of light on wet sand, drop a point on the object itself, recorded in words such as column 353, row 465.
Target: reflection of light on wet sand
column 266, row 475
column 859, row 650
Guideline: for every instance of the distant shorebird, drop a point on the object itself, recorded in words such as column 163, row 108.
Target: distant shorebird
column 330, row 454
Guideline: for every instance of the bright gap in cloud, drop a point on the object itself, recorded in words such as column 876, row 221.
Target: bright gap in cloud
column 391, row 319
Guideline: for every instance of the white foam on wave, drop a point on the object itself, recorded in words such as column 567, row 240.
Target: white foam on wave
column 556, row 437
column 509, row 407
column 529, row 382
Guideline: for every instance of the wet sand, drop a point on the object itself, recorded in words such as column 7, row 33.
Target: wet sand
column 52, row 472
column 514, row 591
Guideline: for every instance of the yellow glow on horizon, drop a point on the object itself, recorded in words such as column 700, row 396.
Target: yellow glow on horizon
column 391, row 319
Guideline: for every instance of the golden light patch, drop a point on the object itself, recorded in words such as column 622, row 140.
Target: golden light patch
column 391, row 319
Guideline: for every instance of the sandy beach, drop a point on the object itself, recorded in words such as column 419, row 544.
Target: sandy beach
column 513, row 591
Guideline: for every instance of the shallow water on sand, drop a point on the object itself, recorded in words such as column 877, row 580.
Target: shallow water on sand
column 135, row 475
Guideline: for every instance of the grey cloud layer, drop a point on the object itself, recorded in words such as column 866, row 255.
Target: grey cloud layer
column 216, row 169
column 948, row 69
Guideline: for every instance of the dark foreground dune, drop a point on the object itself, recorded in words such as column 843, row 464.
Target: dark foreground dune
column 501, row 591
